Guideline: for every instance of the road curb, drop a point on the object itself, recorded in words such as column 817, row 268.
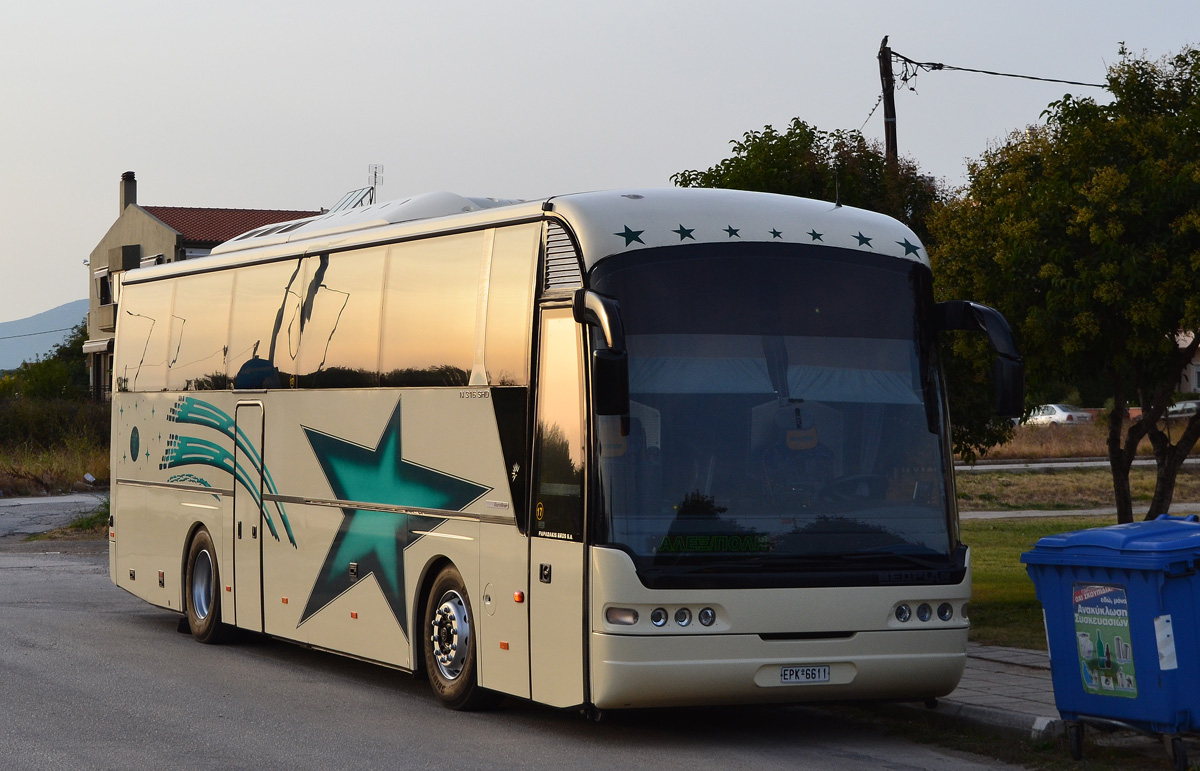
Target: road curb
column 1018, row 725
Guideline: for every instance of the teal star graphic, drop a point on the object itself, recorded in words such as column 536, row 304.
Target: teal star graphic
column 732, row 231
column 631, row 235
column 684, row 233
column 775, row 233
column 908, row 248
column 814, row 235
column 863, row 240
column 376, row 540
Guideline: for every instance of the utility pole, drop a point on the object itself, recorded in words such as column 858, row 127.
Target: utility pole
column 889, row 103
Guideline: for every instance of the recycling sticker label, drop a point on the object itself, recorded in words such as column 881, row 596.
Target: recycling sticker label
column 1102, row 638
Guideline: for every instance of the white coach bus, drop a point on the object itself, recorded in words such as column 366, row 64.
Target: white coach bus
column 610, row 450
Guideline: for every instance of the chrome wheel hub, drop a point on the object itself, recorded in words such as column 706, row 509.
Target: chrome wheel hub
column 202, row 585
column 451, row 634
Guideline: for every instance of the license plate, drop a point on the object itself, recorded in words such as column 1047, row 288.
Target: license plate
column 803, row 675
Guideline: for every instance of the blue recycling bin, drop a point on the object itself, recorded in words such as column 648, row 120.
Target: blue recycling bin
column 1120, row 605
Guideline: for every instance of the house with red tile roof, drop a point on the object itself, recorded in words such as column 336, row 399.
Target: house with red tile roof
column 152, row 235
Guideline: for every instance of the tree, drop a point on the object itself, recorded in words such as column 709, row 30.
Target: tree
column 827, row 165
column 1085, row 233
column 61, row 374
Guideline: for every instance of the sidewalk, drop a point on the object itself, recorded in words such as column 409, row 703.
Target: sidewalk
column 1005, row 688
column 1009, row 691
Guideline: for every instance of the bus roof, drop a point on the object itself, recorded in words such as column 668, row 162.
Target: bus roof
column 619, row 221
column 605, row 223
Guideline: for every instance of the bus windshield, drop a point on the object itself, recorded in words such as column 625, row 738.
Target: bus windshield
column 786, row 420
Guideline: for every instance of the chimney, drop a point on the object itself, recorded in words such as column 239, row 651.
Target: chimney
column 128, row 189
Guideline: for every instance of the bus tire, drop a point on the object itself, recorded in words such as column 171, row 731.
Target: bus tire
column 202, row 583
column 449, row 644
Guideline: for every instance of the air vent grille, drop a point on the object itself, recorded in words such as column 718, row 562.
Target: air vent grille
column 562, row 260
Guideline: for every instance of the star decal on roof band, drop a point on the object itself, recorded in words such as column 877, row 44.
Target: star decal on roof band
column 631, row 235
column 376, row 540
column 688, row 234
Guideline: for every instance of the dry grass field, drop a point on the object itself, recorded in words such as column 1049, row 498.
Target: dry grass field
column 30, row 470
column 1040, row 442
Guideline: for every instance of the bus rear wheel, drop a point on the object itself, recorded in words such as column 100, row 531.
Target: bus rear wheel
column 450, row 651
column 202, row 584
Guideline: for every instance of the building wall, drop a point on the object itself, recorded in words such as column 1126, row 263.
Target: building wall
column 135, row 236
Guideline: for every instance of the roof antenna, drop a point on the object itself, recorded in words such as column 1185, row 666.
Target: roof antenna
column 375, row 177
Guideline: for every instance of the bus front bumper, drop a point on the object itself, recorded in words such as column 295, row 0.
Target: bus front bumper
column 632, row 671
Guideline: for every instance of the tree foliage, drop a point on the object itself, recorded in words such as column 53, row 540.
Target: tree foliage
column 60, row 374
column 826, row 165
column 1085, row 232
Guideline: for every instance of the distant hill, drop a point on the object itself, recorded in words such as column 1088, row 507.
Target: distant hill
column 26, row 339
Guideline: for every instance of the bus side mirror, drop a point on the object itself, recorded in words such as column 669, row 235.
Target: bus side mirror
column 610, row 365
column 610, row 382
column 1009, row 376
column 1008, row 369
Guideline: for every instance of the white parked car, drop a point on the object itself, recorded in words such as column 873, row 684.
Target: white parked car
column 1058, row 415
column 1183, row 409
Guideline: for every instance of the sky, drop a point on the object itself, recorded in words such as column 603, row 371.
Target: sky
column 285, row 104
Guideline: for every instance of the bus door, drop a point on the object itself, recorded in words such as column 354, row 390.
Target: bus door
column 247, row 518
column 556, row 551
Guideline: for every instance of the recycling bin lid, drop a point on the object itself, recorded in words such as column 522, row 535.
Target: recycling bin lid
column 1166, row 543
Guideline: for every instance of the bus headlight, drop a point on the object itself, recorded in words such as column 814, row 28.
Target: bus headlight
column 683, row 617
column 658, row 616
column 924, row 612
column 903, row 613
column 945, row 611
column 707, row 617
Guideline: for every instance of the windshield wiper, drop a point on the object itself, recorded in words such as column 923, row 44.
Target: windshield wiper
column 746, row 564
column 921, row 557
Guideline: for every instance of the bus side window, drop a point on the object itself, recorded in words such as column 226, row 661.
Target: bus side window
column 429, row 304
column 340, row 309
column 141, row 360
column 510, row 300
column 264, row 325
column 200, row 333
column 558, row 484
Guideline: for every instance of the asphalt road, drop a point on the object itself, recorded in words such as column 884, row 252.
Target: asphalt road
column 91, row 677
column 26, row 516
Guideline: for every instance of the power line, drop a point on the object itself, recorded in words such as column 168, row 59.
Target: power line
column 34, row 334
column 912, row 68
column 872, row 112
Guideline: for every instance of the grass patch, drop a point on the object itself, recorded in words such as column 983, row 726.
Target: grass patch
column 1062, row 489
column 1004, row 609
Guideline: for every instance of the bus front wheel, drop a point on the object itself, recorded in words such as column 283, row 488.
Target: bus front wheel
column 449, row 635
column 202, row 584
